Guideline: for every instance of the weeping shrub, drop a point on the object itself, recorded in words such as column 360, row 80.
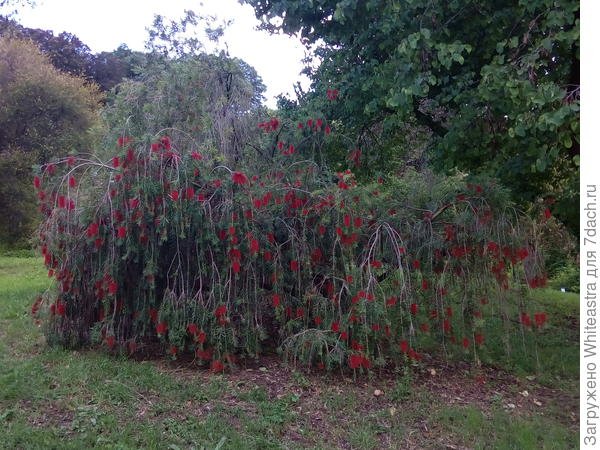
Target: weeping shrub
column 166, row 249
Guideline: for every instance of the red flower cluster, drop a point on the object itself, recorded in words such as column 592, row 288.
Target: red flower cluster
column 270, row 125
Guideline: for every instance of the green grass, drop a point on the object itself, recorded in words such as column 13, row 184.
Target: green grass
column 54, row 398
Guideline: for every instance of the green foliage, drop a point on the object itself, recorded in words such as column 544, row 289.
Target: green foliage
column 487, row 87
column 567, row 277
column 211, row 99
column 42, row 112
column 161, row 244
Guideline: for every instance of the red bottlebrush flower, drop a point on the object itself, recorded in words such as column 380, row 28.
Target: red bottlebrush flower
column 300, row 125
column 338, row 231
column 376, row 264
column 404, row 346
column 492, row 247
column 299, row 313
column 236, row 266
column 540, row 319
column 217, row 183
column 204, row 354
column 416, row 264
column 62, row 202
column 294, row 265
column 357, row 346
column 217, row 366
column 344, row 335
column 332, row 94
column 37, row 183
column 322, row 230
column 276, row 300
column 173, row 350
column 424, row 327
column 414, row 309
column 174, row 195
column 197, row 156
column 71, row 161
column 200, row 337
column 327, row 130
column 268, row 256
column 318, row 320
column 110, row 341
column 449, row 232
column 347, row 220
column 319, row 124
column 165, row 142
column 92, row 230
column 335, row 327
column 162, row 328
column 220, row 311
column 192, row 329
column 424, row 285
column 547, row 213
column 446, row 326
column 239, row 178
column 449, row 311
column 376, row 327
column 254, row 246
column 153, row 313
column 116, row 162
column 113, row 287
column 189, row 193
column 355, row 361
column 121, row 232
column 342, row 185
column 291, row 149
column 72, row 182
column 522, row 253
column 316, row 255
column 354, row 157
column 466, row 343
column 60, row 308
column 132, row 347
column 358, row 222
column 525, row 319
column 479, row 339
column 349, row 279
column 391, row 301
column 134, row 203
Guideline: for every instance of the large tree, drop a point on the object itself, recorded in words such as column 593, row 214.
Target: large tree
column 494, row 85
column 43, row 113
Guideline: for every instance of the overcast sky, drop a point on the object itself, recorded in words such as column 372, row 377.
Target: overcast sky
column 104, row 25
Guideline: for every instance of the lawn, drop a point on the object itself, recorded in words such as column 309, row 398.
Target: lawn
column 53, row 398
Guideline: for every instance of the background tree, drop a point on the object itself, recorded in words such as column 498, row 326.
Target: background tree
column 491, row 87
column 69, row 54
column 43, row 113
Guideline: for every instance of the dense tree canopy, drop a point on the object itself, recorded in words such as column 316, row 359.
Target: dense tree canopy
column 69, row 54
column 489, row 87
column 212, row 98
column 43, row 112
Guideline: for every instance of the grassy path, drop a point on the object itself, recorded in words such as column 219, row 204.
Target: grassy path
column 52, row 398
